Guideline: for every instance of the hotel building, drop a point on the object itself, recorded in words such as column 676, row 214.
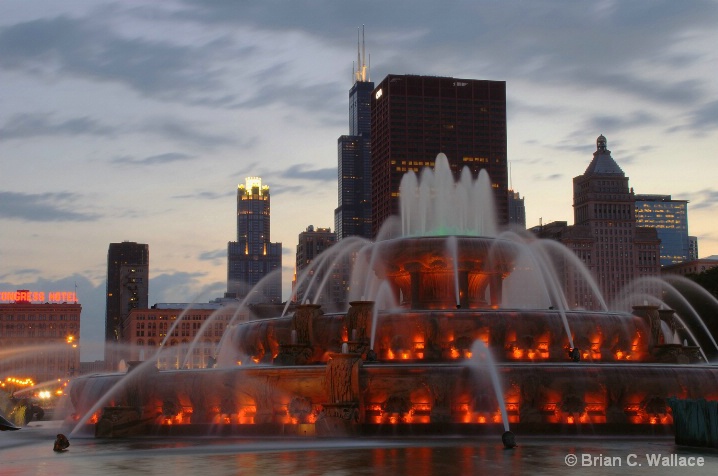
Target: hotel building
column 39, row 335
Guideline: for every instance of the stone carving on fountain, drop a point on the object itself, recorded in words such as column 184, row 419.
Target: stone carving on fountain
column 341, row 409
column 357, row 326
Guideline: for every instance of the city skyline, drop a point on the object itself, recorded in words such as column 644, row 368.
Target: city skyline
column 137, row 122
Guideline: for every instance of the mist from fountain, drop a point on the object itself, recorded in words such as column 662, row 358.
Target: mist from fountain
column 106, row 396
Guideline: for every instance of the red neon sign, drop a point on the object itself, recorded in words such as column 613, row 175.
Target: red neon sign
column 24, row 295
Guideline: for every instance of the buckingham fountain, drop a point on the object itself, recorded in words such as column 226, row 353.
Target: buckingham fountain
column 453, row 327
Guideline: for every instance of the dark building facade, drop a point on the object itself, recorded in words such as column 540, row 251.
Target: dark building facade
column 128, row 266
column 517, row 209
column 414, row 118
column 310, row 244
column 253, row 257
column 353, row 215
column 670, row 218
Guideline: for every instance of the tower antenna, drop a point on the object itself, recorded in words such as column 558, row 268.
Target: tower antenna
column 357, row 73
column 360, row 73
column 363, row 55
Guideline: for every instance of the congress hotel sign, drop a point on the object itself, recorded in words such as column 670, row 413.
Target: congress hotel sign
column 24, row 295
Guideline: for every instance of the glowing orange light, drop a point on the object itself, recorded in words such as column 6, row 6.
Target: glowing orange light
column 482, row 419
column 518, row 353
column 454, row 353
column 569, row 420
column 619, row 355
column 405, row 355
column 653, row 420
column 390, row 354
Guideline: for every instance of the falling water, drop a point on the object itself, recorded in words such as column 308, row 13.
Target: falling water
column 481, row 355
column 452, row 244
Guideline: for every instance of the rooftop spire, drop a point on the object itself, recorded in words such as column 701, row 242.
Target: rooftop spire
column 362, row 70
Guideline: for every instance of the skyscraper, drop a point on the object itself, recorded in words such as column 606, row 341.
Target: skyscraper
column 517, row 209
column 670, row 218
column 414, row 118
column 604, row 204
column 253, row 257
column 605, row 235
column 310, row 244
column 127, row 288
column 352, row 217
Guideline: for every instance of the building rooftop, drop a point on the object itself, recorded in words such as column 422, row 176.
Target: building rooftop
column 603, row 163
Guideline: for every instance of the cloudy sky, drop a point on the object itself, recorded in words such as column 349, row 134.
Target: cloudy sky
column 137, row 120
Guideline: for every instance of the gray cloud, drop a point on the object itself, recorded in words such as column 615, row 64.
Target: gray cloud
column 43, row 207
column 701, row 119
column 304, row 172
column 605, row 47
column 27, row 125
column 289, row 189
column 183, row 287
column 706, row 198
column 188, row 133
column 166, row 158
column 90, row 48
column 206, row 195
column 213, row 255
column 20, row 272
column 23, row 126
column 608, row 122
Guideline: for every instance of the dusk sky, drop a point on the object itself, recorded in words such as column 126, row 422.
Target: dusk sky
column 136, row 121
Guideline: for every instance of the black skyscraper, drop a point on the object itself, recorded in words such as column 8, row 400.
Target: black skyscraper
column 127, row 288
column 414, row 118
column 353, row 215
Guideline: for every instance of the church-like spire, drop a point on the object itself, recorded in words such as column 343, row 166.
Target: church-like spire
column 361, row 74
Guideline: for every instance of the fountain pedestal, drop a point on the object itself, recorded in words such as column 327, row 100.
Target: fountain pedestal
column 341, row 413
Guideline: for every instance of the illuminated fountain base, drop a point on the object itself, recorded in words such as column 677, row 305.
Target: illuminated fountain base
column 410, row 370
column 421, row 383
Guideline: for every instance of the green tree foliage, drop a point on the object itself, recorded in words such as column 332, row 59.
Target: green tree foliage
column 708, row 280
